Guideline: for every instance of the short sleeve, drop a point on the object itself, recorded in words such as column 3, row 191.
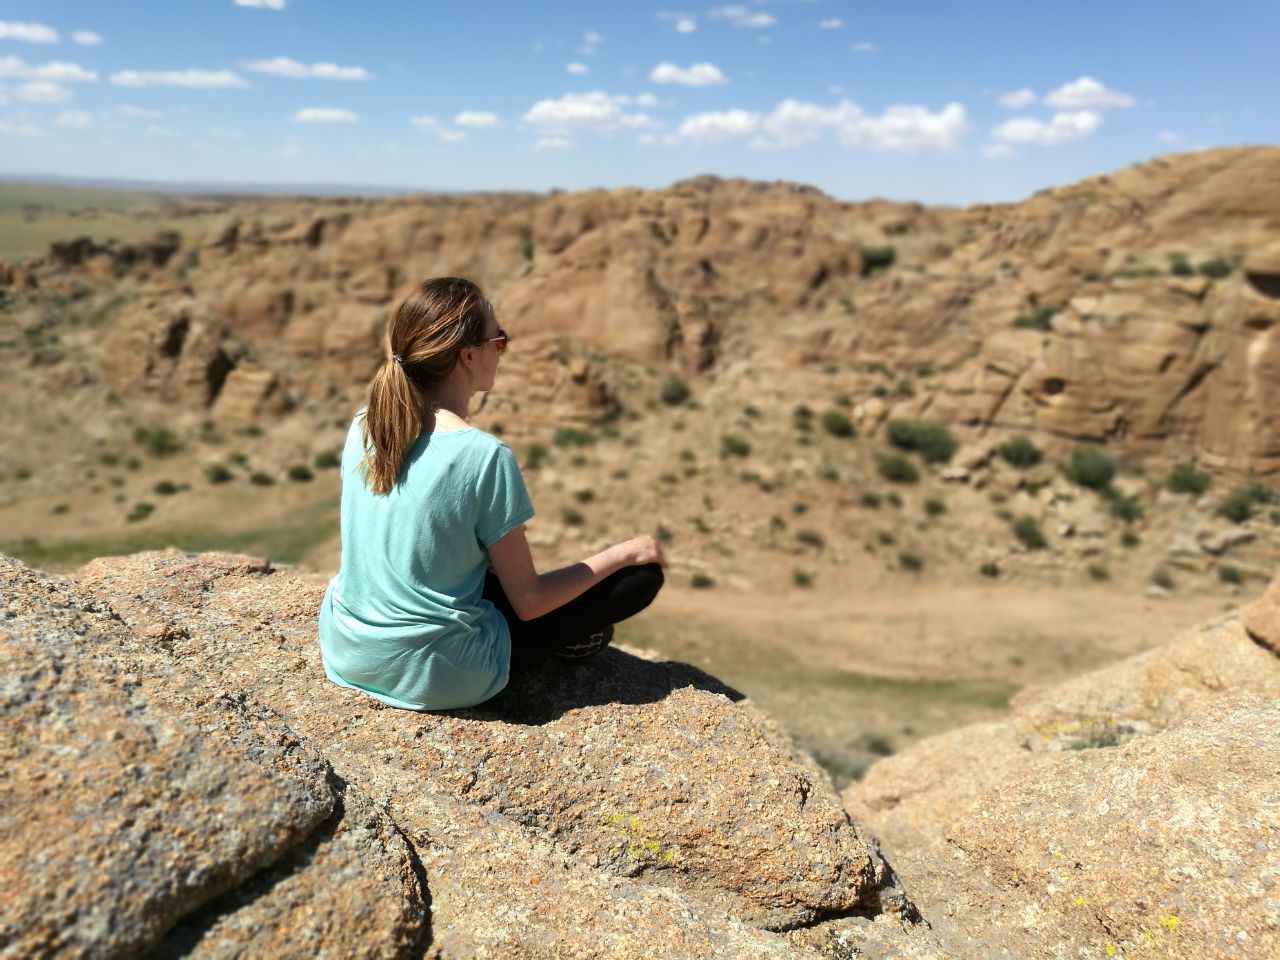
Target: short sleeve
column 504, row 502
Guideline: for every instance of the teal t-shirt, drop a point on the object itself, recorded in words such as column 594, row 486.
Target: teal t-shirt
column 403, row 620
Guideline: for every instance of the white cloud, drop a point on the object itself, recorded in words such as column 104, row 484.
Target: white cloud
column 590, row 43
column 20, row 129
column 1017, row 99
column 131, row 111
column 742, row 17
column 697, row 75
column 1169, row 136
column 864, row 46
column 87, row 38
column 433, row 126
column 196, row 79
column 74, row 119
column 1087, row 94
column 269, row 4
column 288, row 67
column 552, row 143
column 1063, row 128
column 480, row 119
column 647, row 100
column 577, row 69
column 27, row 32
column 597, row 111
column 998, row 151
column 56, row 71
column 324, row 115
column 685, row 23
column 43, row 91
column 835, row 23
column 792, row 123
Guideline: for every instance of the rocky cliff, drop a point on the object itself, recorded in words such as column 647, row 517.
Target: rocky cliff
column 181, row 780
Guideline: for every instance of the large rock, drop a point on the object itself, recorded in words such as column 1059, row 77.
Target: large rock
column 1133, row 809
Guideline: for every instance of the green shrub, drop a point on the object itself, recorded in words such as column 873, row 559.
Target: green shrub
column 573, row 437
column 165, row 488
column 870, row 500
column 885, row 538
column 299, row 473
column 1180, row 266
column 880, row 390
column 1275, row 518
column 990, row 570
column 935, row 507
column 910, row 561
column 811, row 538
column 802, row 418
column 896, row 468
column 60, row 508
column 662, row 534
column 158, row 441
column 1098, row 572
column 904, row 389
column 1019, row 452
column 932, row 441
column 837, row 424
column 674, row 391
column 535, row 456
column 731, row 446
column 1039, row 319
column 877, row 258
column 1230, row 574
column 843, row 400
column 1185, row 478
column 260, row 479
column 892, row 498
column 801, row 579
column 584, row 496
column 1162, row 579
column 1216, row 268
column 572, row 517
column 1124, row 508
column 1090, row 467
column 1027, row 530
column 217, row 473
column 108, row 459
column 328, row 460
column 140, row 511
column 251, row 430
column 1130, row 539
column 700, row 581
column 1241, row 503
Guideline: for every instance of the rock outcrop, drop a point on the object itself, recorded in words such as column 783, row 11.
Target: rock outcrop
column 170, row 715
column 1134, row 810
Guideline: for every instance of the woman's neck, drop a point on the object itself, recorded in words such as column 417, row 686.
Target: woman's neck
column 448, row 405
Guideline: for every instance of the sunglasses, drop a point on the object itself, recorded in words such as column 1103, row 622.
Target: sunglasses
column 502, row 339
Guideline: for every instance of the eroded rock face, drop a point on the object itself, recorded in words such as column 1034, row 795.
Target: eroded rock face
column 1130, row 810
column 167, row 721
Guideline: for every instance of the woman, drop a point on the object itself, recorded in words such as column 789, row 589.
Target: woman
column 414, row 617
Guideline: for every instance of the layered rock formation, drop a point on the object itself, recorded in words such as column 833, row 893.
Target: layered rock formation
column 191, row 783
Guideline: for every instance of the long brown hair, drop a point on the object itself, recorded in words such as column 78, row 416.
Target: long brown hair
column 425, row 336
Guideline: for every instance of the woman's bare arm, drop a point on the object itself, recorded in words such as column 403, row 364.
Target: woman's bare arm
column 534, row 594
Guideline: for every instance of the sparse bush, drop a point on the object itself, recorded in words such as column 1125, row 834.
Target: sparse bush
column 989, row 570
column 217, row 473
column 108, row 459
column 752, row 411
column 731, row 446
column 843, row 400
column 896, row 468
column 837, row 424
column 251, row 430
column 1130, row 539
column 801, row 579
column 584, row 496
column 1216, row 268
column 535, row 456
column 674, row 391
column 60, row 508
column 811, row 538
column 885, row 538
column 911, row 562
column 932, row 441
column 573, row 437
column 1275, row 518
column 165, row 488
column 904, row 389
column 662, row 534
column 328, row 460
column 1242, row 502
column 1090, row 467
column 140, row 511
column 572, row 517
column 260, row 479
column 1124, row 508
column 1162, row 579
column 1230, row 574
column 1027, row 530
column 299, row 473
column 1019, row 452
column 1180, row 266
column 1039, row 319
column 935, row 507
column 1185, row 478
column 830, row 474
column 892, row 499
column 1098, row 572
column 158, row 441
column 700, row 581
column 802, row 418
column 870, row 500
column 880, row 390
column 877, row 258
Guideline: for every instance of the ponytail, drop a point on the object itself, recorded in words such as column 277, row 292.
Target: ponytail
column 426, row 334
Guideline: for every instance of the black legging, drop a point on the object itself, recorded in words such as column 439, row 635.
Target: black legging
column 562, row 631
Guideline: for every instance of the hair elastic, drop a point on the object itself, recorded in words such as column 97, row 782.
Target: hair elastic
column 398, row 359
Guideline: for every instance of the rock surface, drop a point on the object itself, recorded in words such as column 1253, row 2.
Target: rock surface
column 1134, row 810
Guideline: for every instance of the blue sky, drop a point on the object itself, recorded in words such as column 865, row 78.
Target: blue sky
column 941, row 102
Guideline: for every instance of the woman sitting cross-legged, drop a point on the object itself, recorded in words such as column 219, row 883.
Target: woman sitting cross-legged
column 415, row 616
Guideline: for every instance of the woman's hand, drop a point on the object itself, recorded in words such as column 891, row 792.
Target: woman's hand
column 642, row 549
